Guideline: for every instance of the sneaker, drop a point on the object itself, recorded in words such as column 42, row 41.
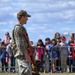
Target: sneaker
column 54, row 71
column 7, row 71
column 13, row 71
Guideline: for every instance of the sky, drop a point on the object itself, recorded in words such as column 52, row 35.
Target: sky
column 47, row 17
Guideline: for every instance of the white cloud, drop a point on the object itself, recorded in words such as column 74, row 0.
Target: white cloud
column 68, row 14
column 3, row 23
column 14, row 14
column 5, row 0
column 47, row 16
column 72, row 3
column 6, row 8
column 66, row 29
column 32, row 1
column 4, row 30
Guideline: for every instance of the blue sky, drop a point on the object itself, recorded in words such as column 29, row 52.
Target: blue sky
column 47, row 17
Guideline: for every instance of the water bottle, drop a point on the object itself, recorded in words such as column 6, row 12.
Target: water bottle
column 7, row 58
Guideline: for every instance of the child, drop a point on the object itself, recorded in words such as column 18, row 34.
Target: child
column 58, row 61
column 40, row 49
column 40, row 52
column 54, row 50
column 11, row 56
column 4, row 57
column 47, row 56
column 64, row 53
column 70, row 56
column 33, row 47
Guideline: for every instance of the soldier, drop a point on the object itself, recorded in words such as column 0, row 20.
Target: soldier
column 19, row 44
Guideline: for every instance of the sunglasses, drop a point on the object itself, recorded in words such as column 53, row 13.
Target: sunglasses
column 6, row 34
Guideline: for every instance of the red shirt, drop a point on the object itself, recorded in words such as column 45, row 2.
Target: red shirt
column 73, row 50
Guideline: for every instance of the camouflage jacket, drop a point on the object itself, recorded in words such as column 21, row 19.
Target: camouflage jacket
column 19, row 43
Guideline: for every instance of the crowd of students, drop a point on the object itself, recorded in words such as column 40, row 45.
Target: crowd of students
column 52, row 56
column 6, row 54
column 56, row 54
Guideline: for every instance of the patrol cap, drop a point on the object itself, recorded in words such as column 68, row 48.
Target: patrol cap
column 23, row 13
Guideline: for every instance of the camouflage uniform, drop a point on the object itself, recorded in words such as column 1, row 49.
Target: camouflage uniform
column 21, row 45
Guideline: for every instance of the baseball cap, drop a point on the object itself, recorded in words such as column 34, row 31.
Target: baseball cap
column 23, row 13
column 63, row 38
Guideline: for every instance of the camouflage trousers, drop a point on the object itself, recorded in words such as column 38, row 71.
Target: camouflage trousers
column 24, row 67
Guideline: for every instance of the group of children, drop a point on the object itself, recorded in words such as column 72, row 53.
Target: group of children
column 56, row 54
column 53, row 56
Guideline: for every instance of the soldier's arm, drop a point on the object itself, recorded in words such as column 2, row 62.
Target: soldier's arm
column 20, row 40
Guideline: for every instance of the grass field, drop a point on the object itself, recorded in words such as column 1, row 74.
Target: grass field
column 8, row 73
column 40, row 74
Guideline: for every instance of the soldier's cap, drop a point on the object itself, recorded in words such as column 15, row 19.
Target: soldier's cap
column 23, row 13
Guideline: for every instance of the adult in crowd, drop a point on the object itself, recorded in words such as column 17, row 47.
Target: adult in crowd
column 7, row 38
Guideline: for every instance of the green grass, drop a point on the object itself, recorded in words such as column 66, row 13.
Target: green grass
column 40, row 74
column 5, row 73
column 9, row 74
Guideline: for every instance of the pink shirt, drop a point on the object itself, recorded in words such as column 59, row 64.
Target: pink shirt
column 7, row 40
column 40, row 51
